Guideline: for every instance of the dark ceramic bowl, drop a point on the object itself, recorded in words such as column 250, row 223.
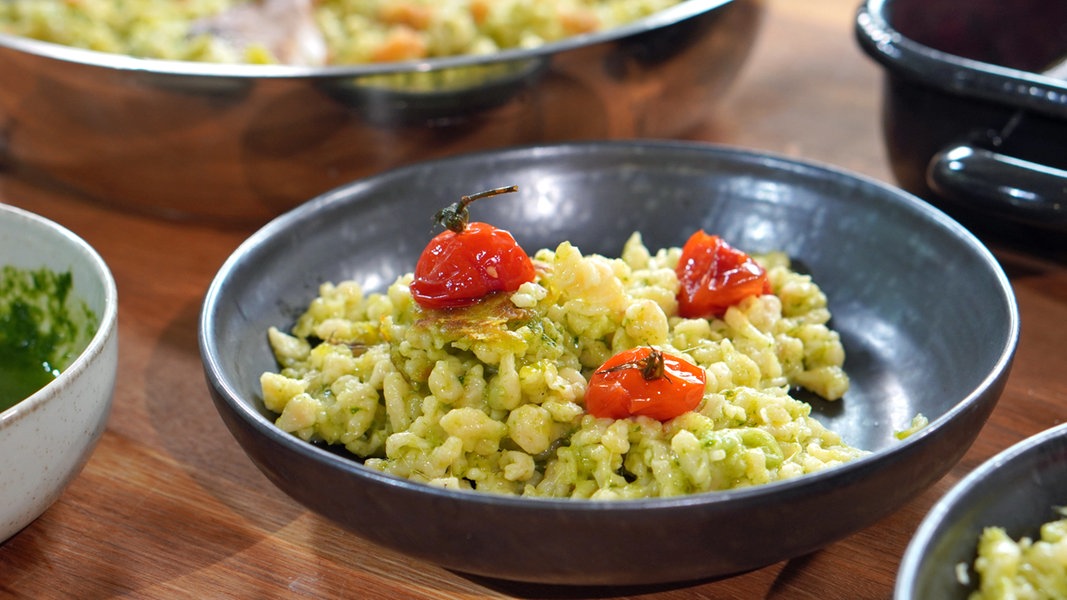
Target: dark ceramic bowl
column 1018, row 490
column 244, row 143
column 974, row 120
column 918, row 338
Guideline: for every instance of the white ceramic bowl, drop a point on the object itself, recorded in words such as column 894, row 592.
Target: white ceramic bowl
column 46, row 439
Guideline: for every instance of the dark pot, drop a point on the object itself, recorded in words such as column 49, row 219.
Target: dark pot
column 975, row 119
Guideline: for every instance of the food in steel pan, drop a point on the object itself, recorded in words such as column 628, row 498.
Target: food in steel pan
column 43, row 327
column 313, row 32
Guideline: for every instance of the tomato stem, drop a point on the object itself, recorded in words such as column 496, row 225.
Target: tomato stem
column 652, row 366
column 455, row 216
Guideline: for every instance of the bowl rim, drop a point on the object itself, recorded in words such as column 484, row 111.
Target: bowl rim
column 104, row 330
column 227, row 393
column 671, row 15
column 952, row 73
column 912, row 560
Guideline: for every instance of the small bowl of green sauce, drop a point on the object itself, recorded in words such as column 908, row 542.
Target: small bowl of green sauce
column 44, row 326
column 58, row 361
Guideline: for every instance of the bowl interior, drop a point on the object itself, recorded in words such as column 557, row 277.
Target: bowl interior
column 1029, row 35
column 1017, row 490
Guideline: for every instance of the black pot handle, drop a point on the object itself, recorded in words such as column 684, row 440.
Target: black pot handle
column 1002, row 185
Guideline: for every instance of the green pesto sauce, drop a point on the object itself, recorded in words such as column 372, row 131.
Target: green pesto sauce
column 43, row 327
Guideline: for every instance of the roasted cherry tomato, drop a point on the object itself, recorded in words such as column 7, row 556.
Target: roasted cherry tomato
column 714, row 276
column 468, row 261
column 644, row 381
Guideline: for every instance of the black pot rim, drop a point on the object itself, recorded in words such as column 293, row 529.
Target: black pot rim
column 904, row 57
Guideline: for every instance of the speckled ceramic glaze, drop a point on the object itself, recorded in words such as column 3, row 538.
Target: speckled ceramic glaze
column 46, row 439
column 917, row 338
column 1019, row 490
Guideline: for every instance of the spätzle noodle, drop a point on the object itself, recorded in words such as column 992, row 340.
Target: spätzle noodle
column 491, row 397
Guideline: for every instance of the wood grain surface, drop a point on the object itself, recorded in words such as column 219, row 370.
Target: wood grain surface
column 170, row 507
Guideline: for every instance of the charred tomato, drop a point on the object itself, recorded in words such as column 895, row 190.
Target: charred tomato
column 644, row 381
column 715, row 276
column 468, row 261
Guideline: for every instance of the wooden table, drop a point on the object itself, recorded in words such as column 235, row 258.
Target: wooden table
column 170, row 507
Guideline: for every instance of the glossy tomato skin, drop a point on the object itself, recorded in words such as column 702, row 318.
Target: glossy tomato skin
column 715, row 276
column 620, row 388
column 459, row 269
